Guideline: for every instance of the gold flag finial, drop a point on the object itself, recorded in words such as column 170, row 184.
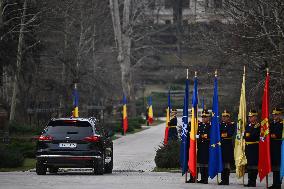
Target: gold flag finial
column 216, row 73
column 195, row 74
column 267, row 71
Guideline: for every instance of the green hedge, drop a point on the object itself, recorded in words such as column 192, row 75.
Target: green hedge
column 116, row 126
column 167, row 156
column 10, row 157
column 19, row 128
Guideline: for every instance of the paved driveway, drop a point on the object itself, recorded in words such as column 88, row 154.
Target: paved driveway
column 133, row 162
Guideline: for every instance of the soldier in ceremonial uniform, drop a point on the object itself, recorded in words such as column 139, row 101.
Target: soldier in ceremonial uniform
column 227, row 131
column 173, row 134
column 251, row 135
column 276, row 127
column 203, row 134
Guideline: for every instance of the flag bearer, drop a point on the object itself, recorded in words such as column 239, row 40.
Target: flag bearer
column 227, row 131
column 203, row 134
column 251, row 135
column 173, row 134
column 276, row 126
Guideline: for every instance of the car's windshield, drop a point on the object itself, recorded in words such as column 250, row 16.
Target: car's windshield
column 59, row 127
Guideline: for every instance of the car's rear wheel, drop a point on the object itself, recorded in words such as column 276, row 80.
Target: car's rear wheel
column 99, row 165
column 53, row 170
column 109, row 166
column 40, row 168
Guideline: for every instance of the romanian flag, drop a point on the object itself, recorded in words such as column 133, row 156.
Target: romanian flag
column 125, row 119
column 239, row 151
column 215, row 151
column 150, row 111
column 184, row 133
column 166, row 138
column 75, row 112
column 264, row 163
column 193, row 131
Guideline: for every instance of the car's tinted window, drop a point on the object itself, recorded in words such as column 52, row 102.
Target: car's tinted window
column 79, row 128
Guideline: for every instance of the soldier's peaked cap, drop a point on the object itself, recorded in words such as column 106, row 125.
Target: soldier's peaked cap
column 277, row 111
column 252, row 113
column 205, row 113
column 226, row 113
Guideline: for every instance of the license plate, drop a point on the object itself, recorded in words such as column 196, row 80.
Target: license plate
column 67, row 145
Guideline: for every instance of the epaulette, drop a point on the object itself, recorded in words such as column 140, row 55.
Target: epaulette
column 232, row 122
column 257, row 125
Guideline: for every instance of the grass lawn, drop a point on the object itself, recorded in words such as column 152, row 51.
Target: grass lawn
column 171, row 170
column 27, row 165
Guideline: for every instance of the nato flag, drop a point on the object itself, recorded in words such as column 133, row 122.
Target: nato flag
column 184, row 133
column 215, row 153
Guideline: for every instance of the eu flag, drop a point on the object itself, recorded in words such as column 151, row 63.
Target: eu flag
column 215, row 153
column 184, row 133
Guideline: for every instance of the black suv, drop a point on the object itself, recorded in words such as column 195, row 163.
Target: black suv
column 74, row 143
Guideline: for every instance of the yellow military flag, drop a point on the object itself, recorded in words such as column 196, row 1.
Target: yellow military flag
column 239, row 151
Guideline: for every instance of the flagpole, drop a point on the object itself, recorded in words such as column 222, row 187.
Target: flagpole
column 267, row 73
column 189, row 136
column 216, row 75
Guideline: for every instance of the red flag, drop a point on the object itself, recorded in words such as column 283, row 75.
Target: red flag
column 264, row 163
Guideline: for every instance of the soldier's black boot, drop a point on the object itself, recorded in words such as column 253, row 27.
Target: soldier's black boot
column 225, row 177
column 204, row 175
column 276, row 180
column 252, row 175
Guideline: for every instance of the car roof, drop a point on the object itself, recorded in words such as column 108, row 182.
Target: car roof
column 71, row 118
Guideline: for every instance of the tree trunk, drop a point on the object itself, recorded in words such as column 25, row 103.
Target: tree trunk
column 63, row 72
column 123, row 41
column 19, row 64
column 1, row 13
column 177, row 17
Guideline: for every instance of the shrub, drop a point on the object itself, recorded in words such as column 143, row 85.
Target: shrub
column 167, row 156
column 20, row 128
column 27, row 148
column 10, row 157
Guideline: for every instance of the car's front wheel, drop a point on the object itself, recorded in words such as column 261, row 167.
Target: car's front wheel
column 40, row 168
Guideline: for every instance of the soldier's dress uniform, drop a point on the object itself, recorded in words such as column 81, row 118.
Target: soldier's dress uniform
column 227, row 131
column 276, row 127
column 173, row 134
column 203, row 147
column 251, row 135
